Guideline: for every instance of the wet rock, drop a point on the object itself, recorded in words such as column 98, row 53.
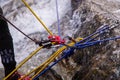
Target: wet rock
column 51, row 75
column 97, row 62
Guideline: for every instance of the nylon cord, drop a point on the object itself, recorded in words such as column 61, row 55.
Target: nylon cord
column 2, row 17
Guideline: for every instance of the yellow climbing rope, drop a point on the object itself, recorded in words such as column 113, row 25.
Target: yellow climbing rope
column 26, row 4
column 53, row 58
column 49, row 60
column 45, row 64
column 25, row 60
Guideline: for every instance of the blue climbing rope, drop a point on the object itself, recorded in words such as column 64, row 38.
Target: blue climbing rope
column 87, row 42
column 106, row 27
column 95, row 42
column 67, row 52
column 70, row 51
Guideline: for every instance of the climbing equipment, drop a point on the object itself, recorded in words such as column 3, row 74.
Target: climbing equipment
column 66, row 50
column 56, row 39
column 67, row 53
column 52, row 57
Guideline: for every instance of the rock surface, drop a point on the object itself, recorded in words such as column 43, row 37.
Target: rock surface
column 1, row 73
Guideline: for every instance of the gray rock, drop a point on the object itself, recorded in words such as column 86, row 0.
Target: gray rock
column 1, row 73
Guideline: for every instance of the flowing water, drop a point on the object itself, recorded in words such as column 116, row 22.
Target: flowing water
column 19, row 15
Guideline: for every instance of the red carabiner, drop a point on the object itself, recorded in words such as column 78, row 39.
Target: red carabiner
column 57, row 39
